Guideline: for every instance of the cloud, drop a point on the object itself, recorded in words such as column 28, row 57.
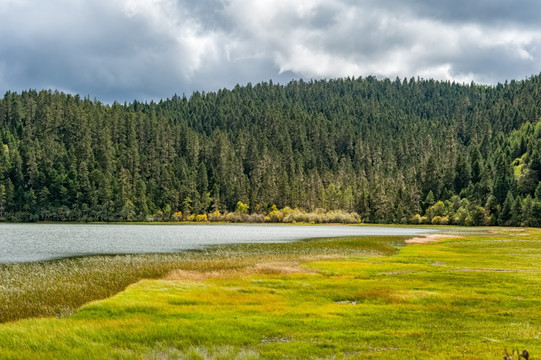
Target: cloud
column 385, row 41
column 151, row 49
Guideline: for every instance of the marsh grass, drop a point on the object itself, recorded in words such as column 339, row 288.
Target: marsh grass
column 366, row 298
column 57, row 288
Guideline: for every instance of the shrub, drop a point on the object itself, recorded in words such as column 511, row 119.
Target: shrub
column 255, row 218
column 233, row 217
column 416, row 219
column 438, row 209
column 461, row 215
column 242, row 208
column 275, row 215
column 440, row 220
column 478, row 216
column 302, row 217
column 314, row 218
column 201, row 218
column 177, row 216
column 158, row 216
column 215, row 216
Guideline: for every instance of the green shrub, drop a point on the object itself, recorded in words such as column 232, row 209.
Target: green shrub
column 416, row 219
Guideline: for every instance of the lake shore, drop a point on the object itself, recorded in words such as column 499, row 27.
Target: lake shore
column 368, row 297
column 58, row 287
column 39, row 242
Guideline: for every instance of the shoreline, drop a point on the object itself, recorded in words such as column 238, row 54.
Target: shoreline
column 290, row 299
column 60, row 286
column 41, row 242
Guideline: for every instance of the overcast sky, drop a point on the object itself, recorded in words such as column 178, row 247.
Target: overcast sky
column 151, row 49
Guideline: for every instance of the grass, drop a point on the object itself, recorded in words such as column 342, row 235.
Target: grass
column 58, row 287
column 462, row 298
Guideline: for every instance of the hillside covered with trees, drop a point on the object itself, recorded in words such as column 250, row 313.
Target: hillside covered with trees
column 418, row 151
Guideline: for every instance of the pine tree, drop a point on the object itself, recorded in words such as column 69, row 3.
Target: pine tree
column 462, row 174
column 2, row 200
column 507, row 210
column 503, row 182
column 429, row 200
column 517, row 212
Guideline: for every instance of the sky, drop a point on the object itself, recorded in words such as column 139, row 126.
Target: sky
column 121, row 50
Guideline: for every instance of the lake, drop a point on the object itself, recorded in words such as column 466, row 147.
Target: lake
column 38, row 242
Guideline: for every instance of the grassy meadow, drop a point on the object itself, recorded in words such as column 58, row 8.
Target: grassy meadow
column 473, row 297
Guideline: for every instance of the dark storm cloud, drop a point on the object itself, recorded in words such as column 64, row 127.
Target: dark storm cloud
column 486, row 12
column 150, row 49
column 89, row 49
column 208, row 13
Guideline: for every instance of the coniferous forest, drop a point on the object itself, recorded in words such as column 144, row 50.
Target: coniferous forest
column 402, row 151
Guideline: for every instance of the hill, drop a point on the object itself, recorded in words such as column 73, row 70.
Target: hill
column 392, row 151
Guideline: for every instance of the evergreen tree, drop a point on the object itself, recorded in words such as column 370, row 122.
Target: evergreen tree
column 507, row 210
column 429, row 200
column 517, row 211
column 503, row 182
column 2, row 200
column 462, row 174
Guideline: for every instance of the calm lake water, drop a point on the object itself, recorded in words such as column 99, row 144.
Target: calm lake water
column 37, row 242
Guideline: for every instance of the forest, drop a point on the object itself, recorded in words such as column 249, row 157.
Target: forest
column 342, row 150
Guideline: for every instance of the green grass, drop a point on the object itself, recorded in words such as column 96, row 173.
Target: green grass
column 467, row 298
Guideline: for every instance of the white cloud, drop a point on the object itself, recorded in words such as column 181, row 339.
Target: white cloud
column 190, row 44
column 5, row 5
column 365, row 40
column 154, row 48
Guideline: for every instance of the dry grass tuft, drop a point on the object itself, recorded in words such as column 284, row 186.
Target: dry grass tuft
column 276, row 268
column 264, row 267
column 430, row 238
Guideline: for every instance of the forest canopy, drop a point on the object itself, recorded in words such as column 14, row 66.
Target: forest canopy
column 417, row 151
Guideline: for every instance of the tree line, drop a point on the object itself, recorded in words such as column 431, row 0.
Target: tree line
column 402, row 151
